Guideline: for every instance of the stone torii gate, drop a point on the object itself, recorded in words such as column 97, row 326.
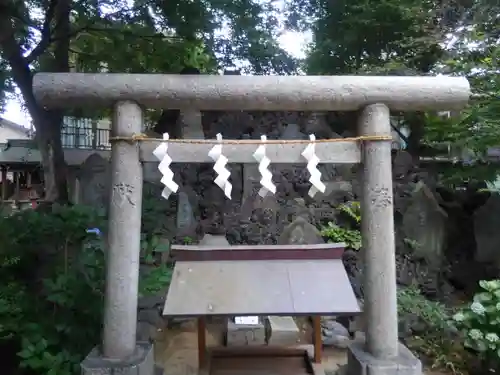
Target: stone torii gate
column 373, row 96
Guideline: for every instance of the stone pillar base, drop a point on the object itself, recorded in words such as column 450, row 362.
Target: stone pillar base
column 360, row 362
column 141, row 363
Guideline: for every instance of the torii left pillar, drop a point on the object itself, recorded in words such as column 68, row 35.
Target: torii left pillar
column 120, row 352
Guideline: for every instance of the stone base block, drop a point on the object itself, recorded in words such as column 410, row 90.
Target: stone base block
column 141, row 363
column 242, row 334
column 282, row 330
column 359, row 362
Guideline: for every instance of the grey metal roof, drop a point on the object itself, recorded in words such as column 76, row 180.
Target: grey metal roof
column 270, row 287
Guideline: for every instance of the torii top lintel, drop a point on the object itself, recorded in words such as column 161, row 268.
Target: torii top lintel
column 271, row 93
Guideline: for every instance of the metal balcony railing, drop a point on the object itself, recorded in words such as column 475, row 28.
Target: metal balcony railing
column 84, row 134
column 86, row 138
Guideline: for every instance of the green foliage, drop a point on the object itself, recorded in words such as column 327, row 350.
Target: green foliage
column 416, row 37
column 434, row 314
column 348, row 234
column 353, row 211
column 152, row 208
column 431, row 334
column 336, row 234
column 187, row 240
column 159, row 276
column 155, row 280
column 404, row 35
column 52, row 285
column 480, row 322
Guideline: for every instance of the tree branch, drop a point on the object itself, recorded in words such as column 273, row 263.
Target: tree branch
column 21, row 73
column 46, row 38
column 126, row 32
column 400, row 133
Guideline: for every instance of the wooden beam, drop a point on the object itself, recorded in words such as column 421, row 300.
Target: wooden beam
column 317, row 339
column 17, row 182
column 257, row 351
column 202, row 342
column 258, row 252
column 247, row 93
column 348, row 152
column 4, row 183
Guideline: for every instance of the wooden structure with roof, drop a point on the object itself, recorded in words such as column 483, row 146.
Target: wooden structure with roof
column 281, row 280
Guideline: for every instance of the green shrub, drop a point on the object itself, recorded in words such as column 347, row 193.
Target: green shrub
column 335, row 234
column 352, row 211
column 429, row 331
column 348, row 233
column 480, row 323
column 52, row 285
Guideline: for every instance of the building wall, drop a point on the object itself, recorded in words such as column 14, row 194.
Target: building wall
column 8, row 132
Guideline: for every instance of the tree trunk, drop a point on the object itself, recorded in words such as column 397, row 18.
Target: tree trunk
column 47, row 123
column 416, row 122
column 56, row 190
column 48, row 126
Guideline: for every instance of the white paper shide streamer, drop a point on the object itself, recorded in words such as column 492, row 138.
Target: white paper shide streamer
column 312, row 166
column 264, row 162
column 161, row 153
column 223, row 174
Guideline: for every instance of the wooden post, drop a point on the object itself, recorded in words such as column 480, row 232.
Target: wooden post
column 202, row 342
column 17, row 186
column 95, row 134
column 317, row 340
column 4, row 182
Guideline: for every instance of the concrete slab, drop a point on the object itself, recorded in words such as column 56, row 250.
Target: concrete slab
column 282, row 330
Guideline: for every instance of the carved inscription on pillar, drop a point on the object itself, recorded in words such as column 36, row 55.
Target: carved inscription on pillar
column 124, row 193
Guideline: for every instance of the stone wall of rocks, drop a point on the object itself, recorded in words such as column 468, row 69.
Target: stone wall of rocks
column 200, row 206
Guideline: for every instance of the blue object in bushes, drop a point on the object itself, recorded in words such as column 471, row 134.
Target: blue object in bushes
column 96, row 231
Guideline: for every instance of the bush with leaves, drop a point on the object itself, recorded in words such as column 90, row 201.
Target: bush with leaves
column 52, row 286
column 426, row 328
column 336, row 234
column 480, row 323
column 348, row 233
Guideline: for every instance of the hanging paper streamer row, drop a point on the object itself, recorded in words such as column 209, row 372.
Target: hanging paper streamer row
column 223, row 174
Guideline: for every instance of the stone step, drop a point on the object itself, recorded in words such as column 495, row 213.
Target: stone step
column 282, row 330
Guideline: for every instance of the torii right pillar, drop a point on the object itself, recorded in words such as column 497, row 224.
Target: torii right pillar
column 381, row 353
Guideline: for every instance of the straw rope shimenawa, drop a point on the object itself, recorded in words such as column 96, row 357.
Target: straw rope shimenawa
column 145, row 138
